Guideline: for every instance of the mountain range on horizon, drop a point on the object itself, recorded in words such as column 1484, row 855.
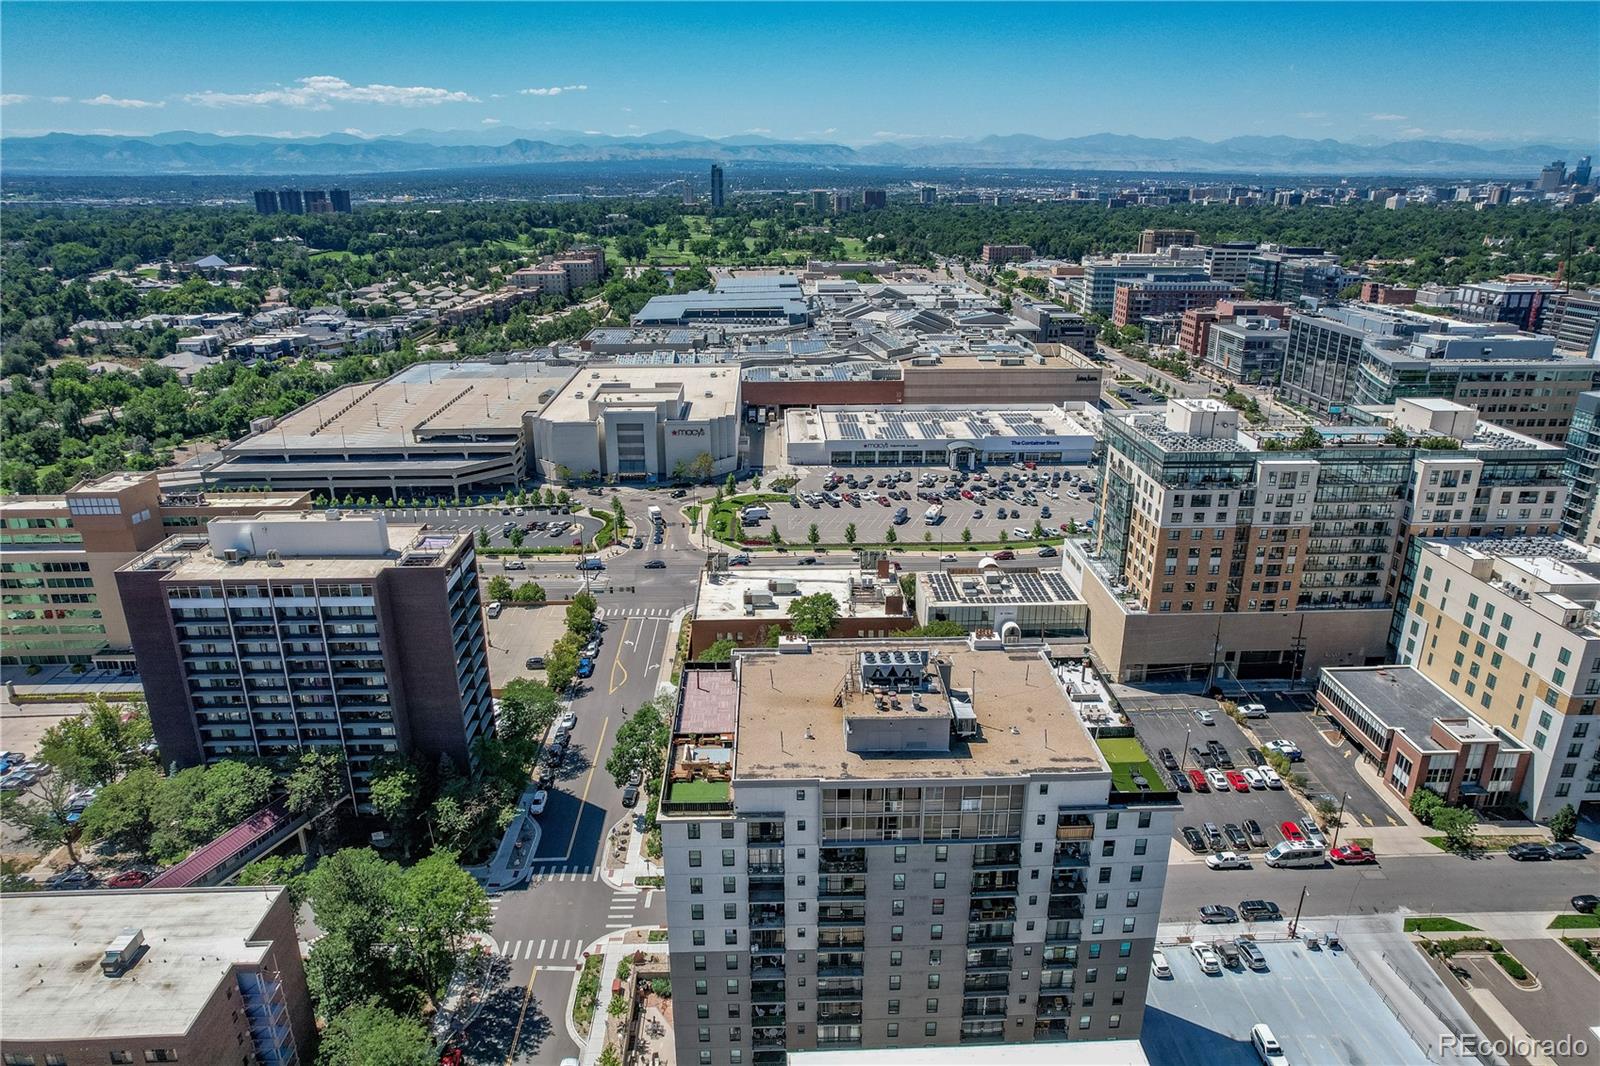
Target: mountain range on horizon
column 188, row 152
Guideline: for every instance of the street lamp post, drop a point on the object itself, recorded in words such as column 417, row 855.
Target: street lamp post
column 1184, row 764
column 1295, row 924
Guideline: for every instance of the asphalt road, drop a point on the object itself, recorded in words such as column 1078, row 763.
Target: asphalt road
column 543, row 928
column 1422, row 883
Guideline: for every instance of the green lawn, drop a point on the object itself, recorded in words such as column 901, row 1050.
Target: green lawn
column 698, row 792
column 1436, row 924
column 854, row 248
column 1127, row 758
column 1576, row 921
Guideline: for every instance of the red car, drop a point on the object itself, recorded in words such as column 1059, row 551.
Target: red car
column 966, row 494
column 1237, row 781
column 1291, row 833
column 1352, row 855
column 1004, row 554
column 1197, row 778
column 884, row 500
column 128, row 879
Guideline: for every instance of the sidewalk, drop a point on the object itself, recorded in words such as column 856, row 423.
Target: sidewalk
column 615, row 949
column 634, row 864
column 512, row 863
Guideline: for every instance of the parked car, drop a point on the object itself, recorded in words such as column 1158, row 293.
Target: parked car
column 636, row 776
column 1253, row 776
column 1529, row 852
column 71, row 879
column 1180, row 781
column 534, row 662
column 1286, row 748
column 1217, row 914
column 1268, row 1050
column 567, row 722
column 1159, row 968
column 1219, row 780
column 630, row 795
column 1270, row 776
column 1196, row 842
column 128, row 879
column 1568, row 849
column 1585, row 903
column 1237, row 781
column 1228, row 860
column 1169, row 760
column 1213, row 835
column 1205, row 716
column 1209, row 963
column 536, row 805
column 1197, row 778
column 1253, row 829
column 1253, row 957
column 494, row 609
column 585, row 668
column 1260, row 910
column 1236, row 837
column 1253, row 710
column 1229, row 953
column 1313, row 833
column 1352, row 855
column 1291, row 833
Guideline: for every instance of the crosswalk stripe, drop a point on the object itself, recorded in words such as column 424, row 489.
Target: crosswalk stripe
column 540, row 955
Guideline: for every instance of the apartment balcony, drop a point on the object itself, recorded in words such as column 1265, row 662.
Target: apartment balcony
column 990, row 938
column 767, row 970
column 1074, row 832
column 769, row 1057
column 1054, row 1007
column 764, row 869
column 839, row 1015
column 989, row 963
column 983, row 1011
column 1066, row 910
column 765, row 833
column 843, row 861
column 988, row 885
column 1073, row 855
column 773, row 1014
column 767, row 918
column 842, row 888
column 840, row 968
column 836, row 918
column 767, row 943
column 987, row 1034
column 1007, row 858
column 839, row 989
column 988, row 983
column 768, row 1039
column 768, row 995
column 765, row 892
column 1063, row 884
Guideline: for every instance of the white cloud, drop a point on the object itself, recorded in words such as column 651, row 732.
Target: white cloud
column 1413, row 131
column 61, row 99
column 7, row 99
column 320, row 92
column 107, row 100
column 1313, row 114
column 1384, row 116
column 491, row 122
column 555, row 90
column 890, row 135
column 758, row 129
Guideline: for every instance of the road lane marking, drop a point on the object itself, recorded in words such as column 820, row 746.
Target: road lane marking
column 516, row 1035
column 540, row 955
column 616, row 664
column 594, row 764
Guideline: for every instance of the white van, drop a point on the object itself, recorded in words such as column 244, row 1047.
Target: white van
column 1290, row 855
column 1268, row 1050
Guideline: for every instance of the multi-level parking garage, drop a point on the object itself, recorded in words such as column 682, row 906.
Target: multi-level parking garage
column 936, row 435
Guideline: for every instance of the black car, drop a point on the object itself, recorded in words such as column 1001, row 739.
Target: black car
column 1217, row 914
column 810, row 560
column 1196, row 842
column 1253, row 757
column 1168, row 760
column 1180, row 781
column 1260, row 910
column 1202, row 757
column 535, row 662
column 1529, row 852
column 1568, row 849
column 678, row 494
column 655, row 564
column 638, row 542
column 1236, row 837
column 630, row 796
column 1586, row 903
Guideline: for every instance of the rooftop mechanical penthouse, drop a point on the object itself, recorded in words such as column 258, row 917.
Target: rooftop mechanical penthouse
column 903, row 844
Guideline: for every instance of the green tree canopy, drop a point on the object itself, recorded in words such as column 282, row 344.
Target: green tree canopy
column 641, row 742
column 370, row 1034
column 813, row 616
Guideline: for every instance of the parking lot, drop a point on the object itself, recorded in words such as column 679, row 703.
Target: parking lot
column 1318, row 1004
column 872, row 519
column 1329, row 760
column 497, row 521
column 518, row 634
column 1179, row 729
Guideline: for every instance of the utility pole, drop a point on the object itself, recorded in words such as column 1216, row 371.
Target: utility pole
column 1339, row 821
column 1184, row 763
column 1295, row 924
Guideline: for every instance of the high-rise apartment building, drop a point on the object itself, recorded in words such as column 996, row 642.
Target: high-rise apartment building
column 1290, row 550
column 59, row 556
column 1287, row 274
column 1573, row 319
column 1325, row 351
column 317, row 202
column 999, row 254
column 820, row 201
column 1582, row 471
column 266, row 202
column 340, row 199
column 1507, row 627
column 874, row 198
column 290, row 202
column 264, row 636
column 159, row 975
column 1156, row 240
column 843, row 202
column 1518, row 303
column 1096, row 290
column 928, row 195
column 875, row 844
column 717, row 190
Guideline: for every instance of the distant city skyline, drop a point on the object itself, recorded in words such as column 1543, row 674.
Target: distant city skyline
column 851, row 74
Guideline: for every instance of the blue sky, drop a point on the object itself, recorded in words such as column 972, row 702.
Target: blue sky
column 1488, row 73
